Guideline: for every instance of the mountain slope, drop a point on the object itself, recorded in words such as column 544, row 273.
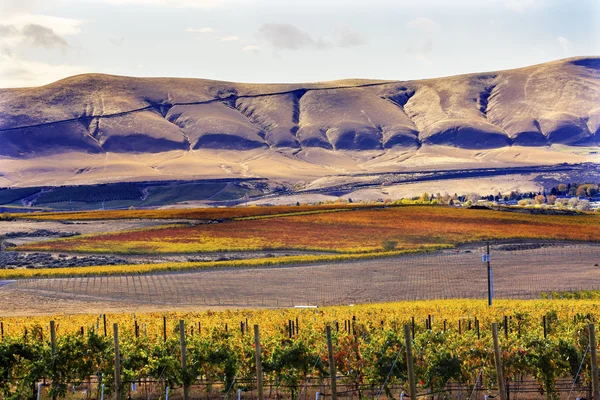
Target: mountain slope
column 552, row 103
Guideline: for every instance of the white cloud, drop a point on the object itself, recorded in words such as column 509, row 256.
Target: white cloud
column 60, row 26
column 290, row 37
column 564, row 43
column 16, row 72
column 251, row 48
column 200, row 30
column 424, row 29
column 19, row 31
column 230, row 38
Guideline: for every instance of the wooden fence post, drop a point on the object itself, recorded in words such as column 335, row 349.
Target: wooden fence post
column 186, row 387
column 332, row 371
column 595, row 387
column 545, row 328
column 117, row 363
column 410, row 362
column 53, row 345
column 259, row 374
column 499, row 374
column 164, row 329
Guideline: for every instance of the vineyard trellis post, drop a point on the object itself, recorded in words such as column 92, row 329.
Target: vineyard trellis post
column 594, row 360
column 410, row 362
column 53, row 345
column 186, row 386
column 259, row 374
column 332, row 371
column 498, row 360
column 117, row 362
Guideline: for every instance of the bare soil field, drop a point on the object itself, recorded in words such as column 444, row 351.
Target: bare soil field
column 82, row 227
column 521, row 270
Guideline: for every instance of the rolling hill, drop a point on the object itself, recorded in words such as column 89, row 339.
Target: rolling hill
column 104, row 128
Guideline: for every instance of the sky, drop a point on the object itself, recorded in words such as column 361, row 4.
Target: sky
column 42, row 41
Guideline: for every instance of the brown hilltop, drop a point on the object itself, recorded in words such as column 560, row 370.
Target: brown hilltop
column 552, row 103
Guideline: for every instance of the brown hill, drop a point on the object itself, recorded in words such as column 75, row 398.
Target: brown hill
column 552, row 103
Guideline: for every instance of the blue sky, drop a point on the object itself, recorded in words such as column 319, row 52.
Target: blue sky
column 287, row 41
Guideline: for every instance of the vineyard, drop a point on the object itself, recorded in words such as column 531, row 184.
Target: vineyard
column 357, row 231
column 543, row 345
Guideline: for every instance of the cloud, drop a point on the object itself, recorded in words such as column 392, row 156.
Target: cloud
column 286, row 36
column 41, row 36
column 60, row 26
column 230, row 38
column 16, row 72
column 290, row 37
column 425, row 29
column 564, row 43
column 33, row 35
column 251, row 48
column 349, row 38
column 200, row 30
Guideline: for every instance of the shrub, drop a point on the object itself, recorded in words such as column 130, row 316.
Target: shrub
column 389, row 245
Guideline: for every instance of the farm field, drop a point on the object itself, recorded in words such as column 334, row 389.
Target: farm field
column 207, row 213
column 542, row 342
column 519, row 270
column 356, row 231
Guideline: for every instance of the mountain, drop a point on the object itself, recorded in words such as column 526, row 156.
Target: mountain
column 97, row 117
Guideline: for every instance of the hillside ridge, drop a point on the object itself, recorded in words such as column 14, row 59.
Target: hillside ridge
column 541, row 105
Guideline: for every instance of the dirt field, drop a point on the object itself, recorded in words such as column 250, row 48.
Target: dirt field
column 521, row 271
column 83, row 227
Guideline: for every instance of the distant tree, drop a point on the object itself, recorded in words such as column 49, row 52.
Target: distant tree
column 425, row 198
column 553, row 191
column 297, row 203
column 551, row 199
column 562, row 188
column 584, row 205
column 349, row 199
column 389, row 245
column 473, row 197
column 540, row 199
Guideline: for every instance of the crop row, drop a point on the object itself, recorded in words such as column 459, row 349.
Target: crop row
column 365, row 230
column 452, row 344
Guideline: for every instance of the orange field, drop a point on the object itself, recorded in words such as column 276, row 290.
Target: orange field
column 352, row 231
